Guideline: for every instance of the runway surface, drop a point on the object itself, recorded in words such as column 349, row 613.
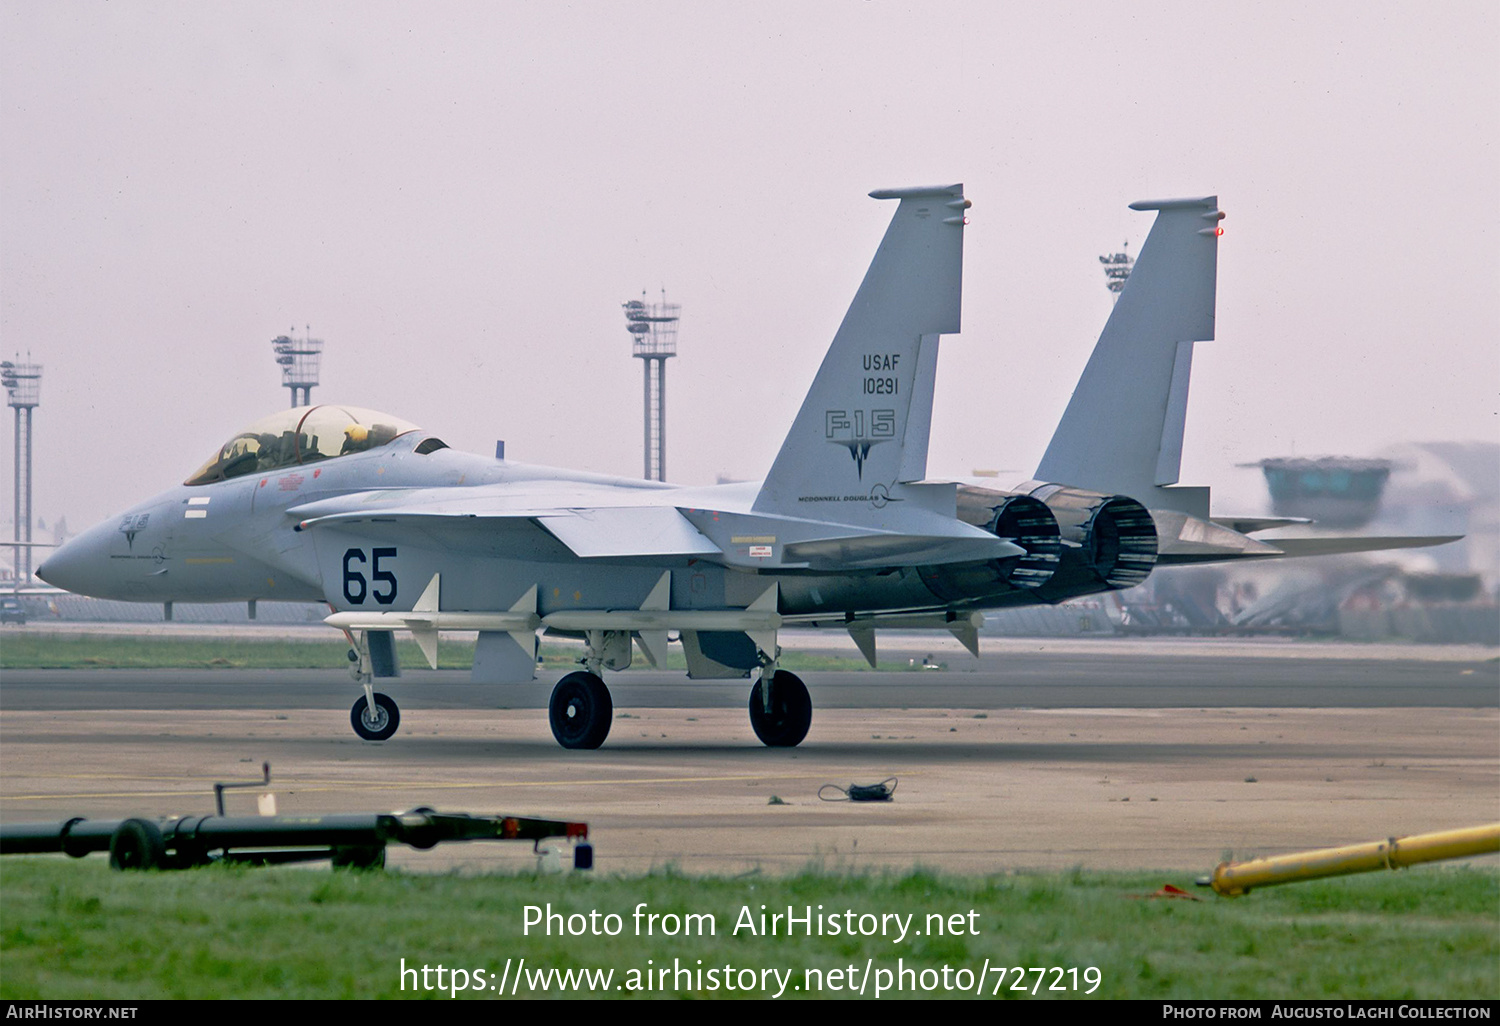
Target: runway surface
column 1045, row 754
column 1012, row 674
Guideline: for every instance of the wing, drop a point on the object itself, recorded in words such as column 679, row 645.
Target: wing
column 615, row 523
column 481, row 513
column 1183, row 538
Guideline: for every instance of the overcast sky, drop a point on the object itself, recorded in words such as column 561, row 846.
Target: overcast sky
column 457, row 197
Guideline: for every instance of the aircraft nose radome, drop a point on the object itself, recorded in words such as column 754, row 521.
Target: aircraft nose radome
column 54, row 567
column 72, row 566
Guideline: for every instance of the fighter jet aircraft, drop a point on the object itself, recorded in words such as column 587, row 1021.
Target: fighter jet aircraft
column 397, row 531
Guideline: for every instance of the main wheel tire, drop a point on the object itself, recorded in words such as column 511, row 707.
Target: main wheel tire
column 382, row 724
column 791, row 711
column 580, row 711
column 137, row 844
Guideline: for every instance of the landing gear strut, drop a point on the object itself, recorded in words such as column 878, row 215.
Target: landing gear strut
column 784, row 724
column 377, row 723
column 580, row 711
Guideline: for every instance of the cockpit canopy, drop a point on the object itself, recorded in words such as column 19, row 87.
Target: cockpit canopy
column 306, row 434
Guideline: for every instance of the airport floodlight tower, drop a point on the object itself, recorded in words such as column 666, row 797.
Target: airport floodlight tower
column 1117, row 270
column 23, row 392
column 653, row 340
column 299, row 359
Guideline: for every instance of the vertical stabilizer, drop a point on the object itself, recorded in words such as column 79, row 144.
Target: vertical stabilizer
column 1122, row 431
column 860, row 439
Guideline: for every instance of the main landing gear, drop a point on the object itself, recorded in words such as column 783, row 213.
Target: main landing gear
column 783, row 722
column 581, row 710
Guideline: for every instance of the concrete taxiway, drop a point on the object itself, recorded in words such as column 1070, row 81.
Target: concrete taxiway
column 1043, row 754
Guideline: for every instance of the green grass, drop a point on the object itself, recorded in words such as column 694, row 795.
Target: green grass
column 82, row 652
column 327, row 651
column 78, row 930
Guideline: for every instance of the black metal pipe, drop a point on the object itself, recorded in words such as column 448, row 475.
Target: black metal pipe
column 190, row 839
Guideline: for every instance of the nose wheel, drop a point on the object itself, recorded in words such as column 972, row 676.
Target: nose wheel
column 375, row 724
column 580, row 711
column 790, row 714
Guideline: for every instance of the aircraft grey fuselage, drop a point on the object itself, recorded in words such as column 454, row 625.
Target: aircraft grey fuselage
column 397, row 531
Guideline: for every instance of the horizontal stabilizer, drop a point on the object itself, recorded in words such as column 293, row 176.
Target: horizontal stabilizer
column 1181, row 538
column 1287, row 548
column 1336, row 546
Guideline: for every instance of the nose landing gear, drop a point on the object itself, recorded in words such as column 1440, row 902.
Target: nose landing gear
column 375, row 718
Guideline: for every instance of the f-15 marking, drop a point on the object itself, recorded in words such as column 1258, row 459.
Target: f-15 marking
column 882, row 428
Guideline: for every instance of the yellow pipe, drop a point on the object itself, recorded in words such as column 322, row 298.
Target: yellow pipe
column 1232, row 879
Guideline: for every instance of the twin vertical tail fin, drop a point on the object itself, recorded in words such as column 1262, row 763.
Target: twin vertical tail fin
column 857, row 451
column 1122, row 431
column 859, row 443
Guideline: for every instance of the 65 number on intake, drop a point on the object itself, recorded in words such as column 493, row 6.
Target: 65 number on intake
column 356, row 588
